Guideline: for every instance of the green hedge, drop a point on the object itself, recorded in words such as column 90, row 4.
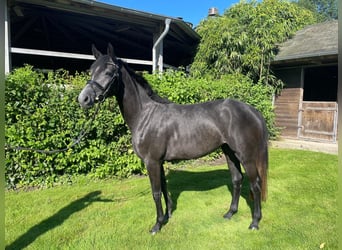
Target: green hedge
column 42, row 112
column 179, row 88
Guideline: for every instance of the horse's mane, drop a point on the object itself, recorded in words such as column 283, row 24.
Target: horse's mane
column 144, row 84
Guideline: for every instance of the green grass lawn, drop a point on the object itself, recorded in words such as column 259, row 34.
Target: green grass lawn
column 300, row 213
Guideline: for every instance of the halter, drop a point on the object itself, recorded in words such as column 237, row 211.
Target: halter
column 94, row 84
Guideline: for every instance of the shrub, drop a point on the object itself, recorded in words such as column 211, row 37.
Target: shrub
column 180, row 88
column 42, row 113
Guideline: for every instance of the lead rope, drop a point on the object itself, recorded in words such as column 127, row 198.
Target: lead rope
column 76, row 141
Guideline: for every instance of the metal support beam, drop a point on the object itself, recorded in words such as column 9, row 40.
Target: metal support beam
column 157, row 50
column 38, row 52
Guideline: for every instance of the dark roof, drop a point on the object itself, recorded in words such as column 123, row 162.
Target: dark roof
column 73, row 25
column 314, row 43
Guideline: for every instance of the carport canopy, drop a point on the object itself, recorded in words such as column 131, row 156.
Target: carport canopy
column 59, row 34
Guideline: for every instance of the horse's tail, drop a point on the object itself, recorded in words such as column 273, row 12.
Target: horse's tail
column 262, row 167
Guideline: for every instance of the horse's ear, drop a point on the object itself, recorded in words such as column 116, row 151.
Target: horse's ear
column 96, row 53
column 110, row 51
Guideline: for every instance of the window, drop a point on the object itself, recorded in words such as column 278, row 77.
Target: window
column 320, row 83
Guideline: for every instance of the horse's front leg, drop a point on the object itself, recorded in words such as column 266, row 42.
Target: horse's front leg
column 154, row 173
column 168, row 200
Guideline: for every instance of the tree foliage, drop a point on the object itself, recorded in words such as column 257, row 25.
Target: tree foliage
column 324, row 9
column 244, row 39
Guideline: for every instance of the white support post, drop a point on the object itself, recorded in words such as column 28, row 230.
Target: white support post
column 7, row 39
column 155, row 52
column 160, row 57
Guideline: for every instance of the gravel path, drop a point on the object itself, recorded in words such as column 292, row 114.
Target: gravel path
column 325, row 147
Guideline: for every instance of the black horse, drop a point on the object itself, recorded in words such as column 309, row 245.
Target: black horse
column 164, row 131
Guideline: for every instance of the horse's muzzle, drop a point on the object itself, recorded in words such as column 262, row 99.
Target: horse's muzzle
column 86, row 99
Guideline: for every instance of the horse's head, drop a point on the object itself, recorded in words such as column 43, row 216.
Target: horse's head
column 104, row 75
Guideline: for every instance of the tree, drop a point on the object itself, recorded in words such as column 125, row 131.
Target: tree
column 245, row 38
column 325, row 9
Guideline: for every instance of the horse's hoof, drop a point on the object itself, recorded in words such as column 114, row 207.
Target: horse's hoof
column 153, row 232
column 155, row 229
column 229, row 215
column 253, row 227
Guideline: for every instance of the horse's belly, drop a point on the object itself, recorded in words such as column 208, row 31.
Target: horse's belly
column 190, row 147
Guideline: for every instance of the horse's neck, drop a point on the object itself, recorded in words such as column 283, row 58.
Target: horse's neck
column 133, row 101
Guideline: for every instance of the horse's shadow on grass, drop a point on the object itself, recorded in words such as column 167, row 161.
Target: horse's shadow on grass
column 55, row 220
column 181, row 181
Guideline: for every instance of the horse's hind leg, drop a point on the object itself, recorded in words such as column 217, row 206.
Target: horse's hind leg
column 255, row 187
column 236, row 174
